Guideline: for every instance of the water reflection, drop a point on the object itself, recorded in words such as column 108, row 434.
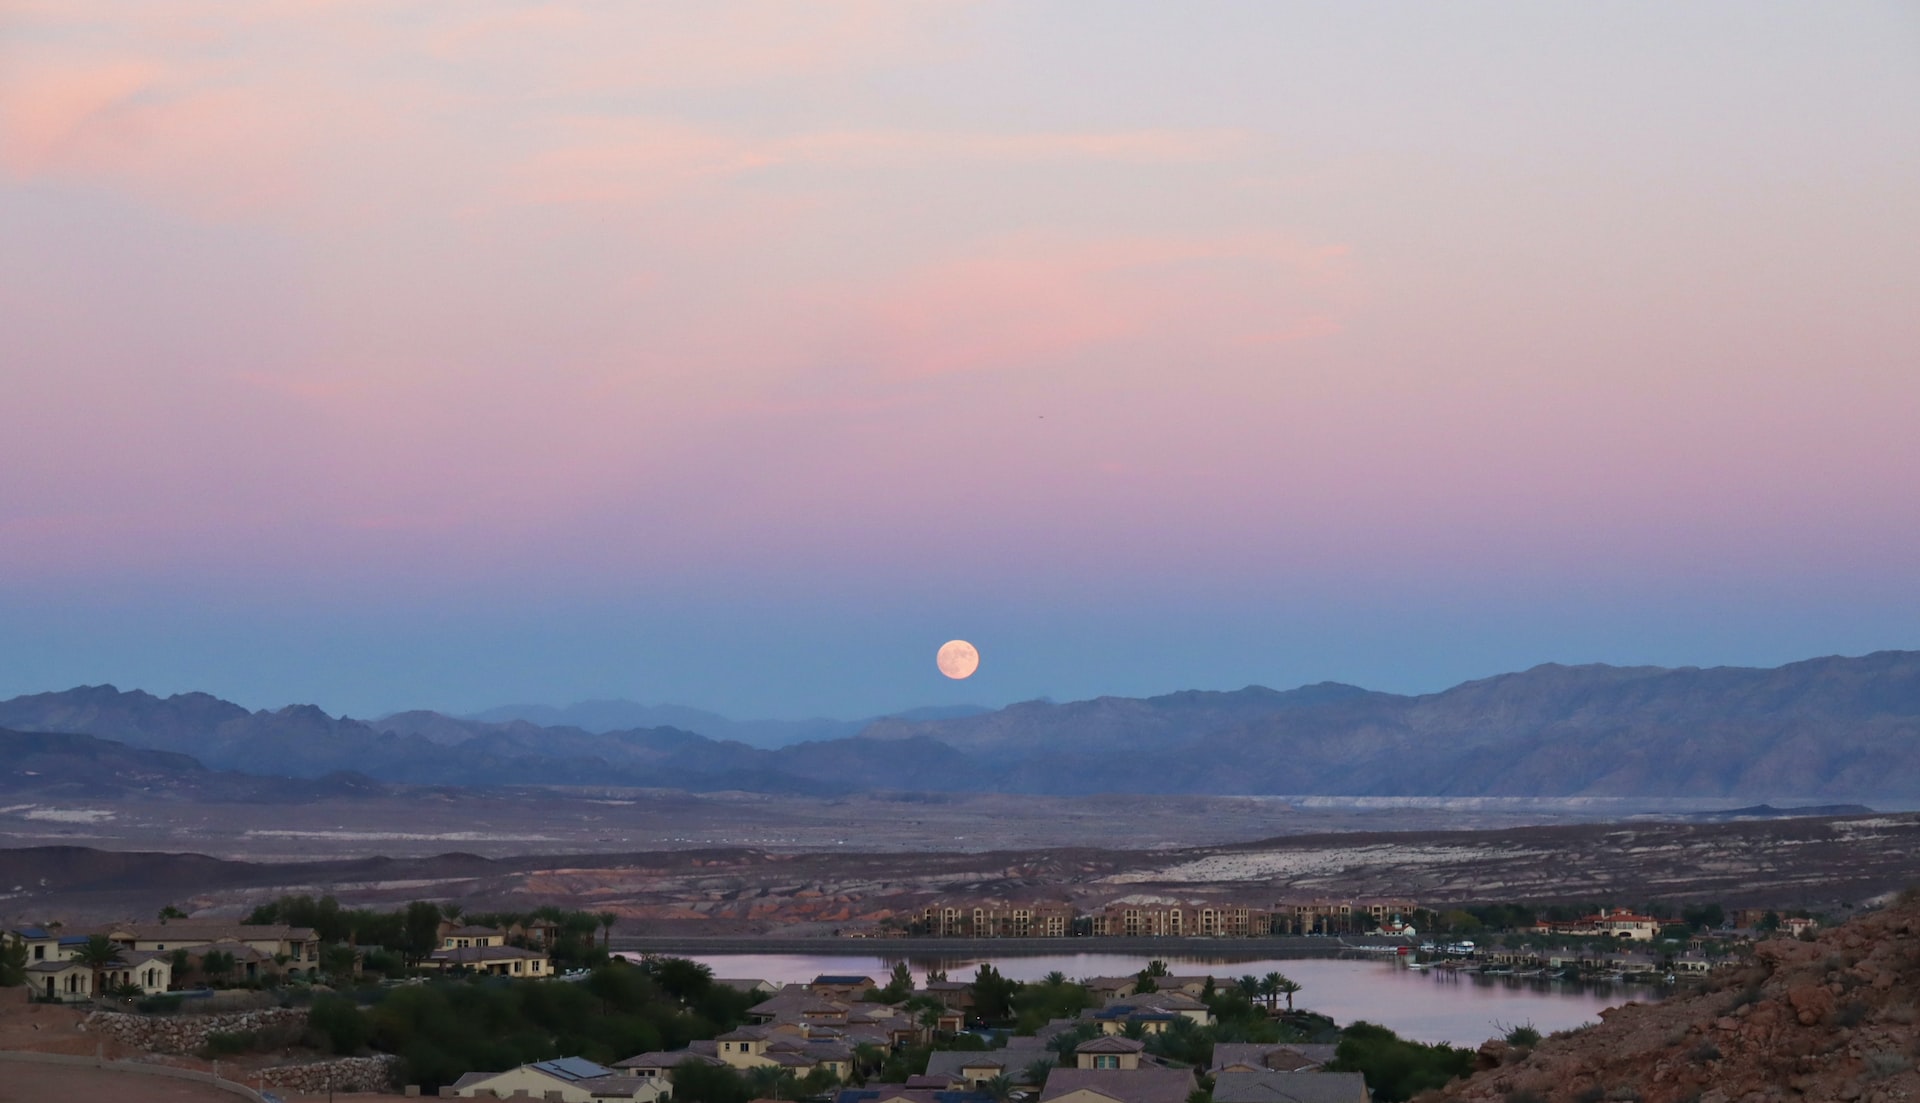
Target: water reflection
column 1431, row 1006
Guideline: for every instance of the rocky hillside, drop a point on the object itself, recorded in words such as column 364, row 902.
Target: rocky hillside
column 1832, row 1019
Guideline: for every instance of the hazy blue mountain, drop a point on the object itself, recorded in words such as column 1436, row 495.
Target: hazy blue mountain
column 622, row 715
column 1836, row 729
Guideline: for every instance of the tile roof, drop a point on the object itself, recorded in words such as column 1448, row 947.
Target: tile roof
column 666, row 1059
column 1146, row 1084
column 1111, row 1043
column 886, row 1093
column 843, row 979
column 1290, row 1087
column 467, row 955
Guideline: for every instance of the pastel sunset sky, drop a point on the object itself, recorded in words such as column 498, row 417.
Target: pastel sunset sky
column 396, row 353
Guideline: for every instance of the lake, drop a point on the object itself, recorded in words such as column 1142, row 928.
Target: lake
column 1430, row 1005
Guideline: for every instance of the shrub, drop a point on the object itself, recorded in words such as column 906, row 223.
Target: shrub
column 1851, row 1013
column 1705, row 1051
column 1886, row 1063
column 228, row 1043
column 1524, row 1036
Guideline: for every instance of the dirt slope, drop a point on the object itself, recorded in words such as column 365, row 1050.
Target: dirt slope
column 1826, row 1020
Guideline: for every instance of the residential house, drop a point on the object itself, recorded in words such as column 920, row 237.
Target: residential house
column 456, row 937
column 1618, row 922
column 500, row 961
column 1263, row 1057
column 1109, row 1051
column 842, row 986
column 1290, row 1087
column 61, row 979
column 151, row 971
column 954, row 994
column 570, row 1079
column 295, row 950
column 42, row 944
column 1154, row 1011
column 748, row 985
column 968, row 1071
column 1146, row 1084
column 900, row 1093
column 659, row 1065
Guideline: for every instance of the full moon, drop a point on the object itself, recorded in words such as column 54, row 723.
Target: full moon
column 957, row 659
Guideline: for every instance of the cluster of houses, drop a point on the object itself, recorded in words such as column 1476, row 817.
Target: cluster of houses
column 159, row 957
column 816, row 1026
column 1149, row 916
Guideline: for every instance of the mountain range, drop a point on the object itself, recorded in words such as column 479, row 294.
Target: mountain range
column 621, row 715
column 1842, row 728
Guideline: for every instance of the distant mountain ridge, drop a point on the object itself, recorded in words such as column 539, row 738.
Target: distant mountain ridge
column 621, row 715
column 1832, row 728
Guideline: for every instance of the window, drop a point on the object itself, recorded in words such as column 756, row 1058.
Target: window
column 1106, row 1061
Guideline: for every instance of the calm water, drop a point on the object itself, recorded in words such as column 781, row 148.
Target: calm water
column 1430, row 1005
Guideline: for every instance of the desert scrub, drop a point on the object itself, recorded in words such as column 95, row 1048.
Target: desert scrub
column 1704, row 1052
column 1886, row 1063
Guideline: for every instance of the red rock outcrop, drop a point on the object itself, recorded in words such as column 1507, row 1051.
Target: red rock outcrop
column 1832, row 1019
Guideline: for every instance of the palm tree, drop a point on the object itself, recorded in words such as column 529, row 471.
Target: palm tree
column 1054, row 979
column 607, row 920
column 1038, row 1071
column 1270, row 988
column 99, row 954
column 1248, row 986
column 999, row 1087
column 1287, row 987
column 768, row 1080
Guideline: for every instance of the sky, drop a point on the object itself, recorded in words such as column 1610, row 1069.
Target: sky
column 385, row 354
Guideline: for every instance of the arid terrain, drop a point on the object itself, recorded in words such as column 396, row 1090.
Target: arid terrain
column 1827, row 863
column 1831, row 1019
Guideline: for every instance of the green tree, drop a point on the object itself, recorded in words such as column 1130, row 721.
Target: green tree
column 607, row 920
column 1037, row 1072
column 1287, row 987
column 999, row 1087
column 1396, row 1069
column 699, row 1082
column 420, row 931
column 171, row 912
column 683, row 979
column 1770, row 921
column 13, row 961
column 338, row 1023
column 899, row 984
column 992, row 994
column 772, row 1082
column 99, row 954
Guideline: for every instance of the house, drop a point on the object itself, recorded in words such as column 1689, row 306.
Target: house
column 1618, row 922
column 750, row 986
column 455, row 937
column 1109, row 1051
column 570, row 1079
column 797, row 1002
column 955, row 994
column 1290, row 1087
column 659, row 1065
column 1261, row 1057
column 1146, row 1084
column 844, row 986
column 150, row 971
column 60, row 979
column 296, row 949
column 42, row 944
column 968, row 1071
column 901, row 1093
column 501, row 961
column 1154, row 1011
column 786, row 1046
